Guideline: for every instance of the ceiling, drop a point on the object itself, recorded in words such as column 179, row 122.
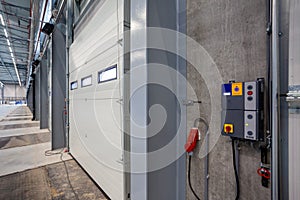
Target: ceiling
column 17, row 20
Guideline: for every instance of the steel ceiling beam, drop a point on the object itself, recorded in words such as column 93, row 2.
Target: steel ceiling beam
column 16, row 34
column 16, row 52
column 13, row 44
column 15, row 29
column 16, row 38
column 21, row 26
column 19, row 66
column 9, row 82
column 1, row 60
column 24, row 19
column 15, row 6
column 18, row 42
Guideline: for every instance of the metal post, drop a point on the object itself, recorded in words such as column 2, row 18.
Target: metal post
column 206, row 168
column 274, row 100
column 31, row 35
column 33, row 98
column 2, row 93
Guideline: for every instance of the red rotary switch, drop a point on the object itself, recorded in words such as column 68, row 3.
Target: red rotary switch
column 227, row 129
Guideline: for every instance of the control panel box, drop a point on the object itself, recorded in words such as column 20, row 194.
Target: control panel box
column 242, row 110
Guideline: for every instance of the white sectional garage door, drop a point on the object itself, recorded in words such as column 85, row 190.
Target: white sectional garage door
column 95, row 96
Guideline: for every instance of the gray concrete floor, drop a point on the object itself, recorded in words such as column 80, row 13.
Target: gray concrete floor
column 5, row 110
column 29, row 171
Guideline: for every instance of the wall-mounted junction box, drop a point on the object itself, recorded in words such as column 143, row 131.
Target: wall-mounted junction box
column 242, row 110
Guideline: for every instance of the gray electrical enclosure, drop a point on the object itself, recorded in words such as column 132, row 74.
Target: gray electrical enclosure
column 242, row 110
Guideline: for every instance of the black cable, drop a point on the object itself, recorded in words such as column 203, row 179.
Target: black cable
column 68, row 177
column 235, row 171
column 61, row 152
column 52, row 153
column 63, row 119
column 189, row 178
column 67, row 172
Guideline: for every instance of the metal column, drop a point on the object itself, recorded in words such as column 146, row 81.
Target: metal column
column 167, row 182
column 58, row 87
column 279, row 112
column 44, row 95
column 69, row 31
column 2, row 93
column 37, row 95
column 294, row 100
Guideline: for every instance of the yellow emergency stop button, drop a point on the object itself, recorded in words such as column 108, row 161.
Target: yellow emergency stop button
column 237, row 89
column 228, row 128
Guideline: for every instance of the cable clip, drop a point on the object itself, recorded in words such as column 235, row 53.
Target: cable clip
column 190, row 102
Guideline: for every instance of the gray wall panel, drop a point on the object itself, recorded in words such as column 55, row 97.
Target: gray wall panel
column 37, row 95
column 169, row 182
column 294, row 48
column 294, row 111
column 44, row 107
column 30, row 98
column 160, row 180
column 283, row 22
column 58, row 89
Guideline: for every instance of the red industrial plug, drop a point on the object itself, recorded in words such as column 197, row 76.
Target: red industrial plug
column 192, row 140
column 263, row 172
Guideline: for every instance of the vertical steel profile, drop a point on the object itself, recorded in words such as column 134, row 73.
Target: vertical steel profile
column 138, row 40
column 126, row 97
column 293, row 100
column 274, row 100
column 69, row 27
column 2, row 93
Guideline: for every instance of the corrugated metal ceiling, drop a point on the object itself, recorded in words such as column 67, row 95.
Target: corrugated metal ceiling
column 14, row 44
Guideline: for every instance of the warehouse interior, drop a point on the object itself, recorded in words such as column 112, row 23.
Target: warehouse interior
column 150, row 99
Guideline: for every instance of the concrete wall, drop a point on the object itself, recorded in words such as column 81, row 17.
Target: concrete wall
column 14, row 91
column 234, row 35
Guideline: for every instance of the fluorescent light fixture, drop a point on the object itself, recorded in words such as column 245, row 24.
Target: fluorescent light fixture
column 11, row 53
column 5, row 32
column 16, row 69
column 2, row 21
